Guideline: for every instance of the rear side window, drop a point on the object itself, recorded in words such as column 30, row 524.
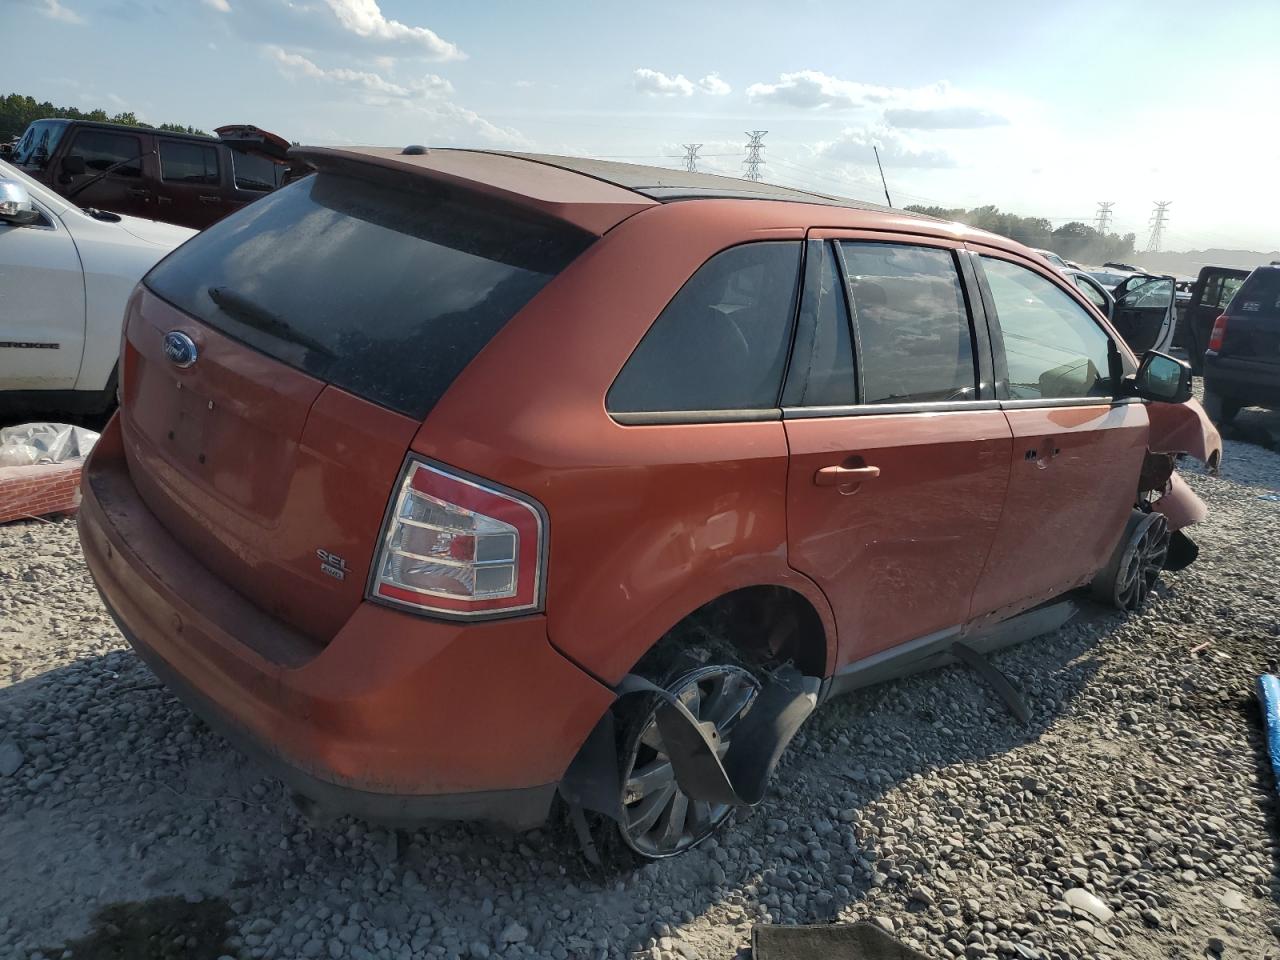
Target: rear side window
column 1260, row 295
column 387, row 290
column 721, row 343
column 913, row 327
column 103, row 149
column 1219, row 288
column 188, row 162
column 1053, row 348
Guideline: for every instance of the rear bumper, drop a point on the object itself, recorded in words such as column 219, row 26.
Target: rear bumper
column 1243, row 381
column 398, row 718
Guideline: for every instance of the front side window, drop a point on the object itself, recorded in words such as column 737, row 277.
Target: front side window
column 103, row 149
column 1156, row 292
column 1228, row 286
column 188, row 162
column 1054, row 349
column 821, row 372
column 1092, row 291
column 913, row 328
column 721, row 343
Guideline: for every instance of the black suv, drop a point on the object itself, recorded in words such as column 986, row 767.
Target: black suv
column 1242, row 362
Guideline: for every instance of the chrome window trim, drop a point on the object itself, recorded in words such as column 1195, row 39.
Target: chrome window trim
column 888, row 409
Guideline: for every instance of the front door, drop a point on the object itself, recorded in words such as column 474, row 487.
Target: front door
column 900, row 454
column 113, row 172
column 1077, row 452
column 1144, row 314
column 41, row 306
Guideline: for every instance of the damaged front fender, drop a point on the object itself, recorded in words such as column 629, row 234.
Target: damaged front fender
column 1184, row 428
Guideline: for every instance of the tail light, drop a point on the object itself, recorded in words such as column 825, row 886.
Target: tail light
column 459, row 547
column 1218, row 334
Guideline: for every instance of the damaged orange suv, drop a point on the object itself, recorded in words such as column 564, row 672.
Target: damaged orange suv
column 446, row 481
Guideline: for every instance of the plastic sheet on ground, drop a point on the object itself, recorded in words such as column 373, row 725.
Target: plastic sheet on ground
column 33, row 443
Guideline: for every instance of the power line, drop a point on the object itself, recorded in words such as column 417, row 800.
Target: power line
column 691, row 156
column 1159, row 217
column 1103, row 220
column 754, row 161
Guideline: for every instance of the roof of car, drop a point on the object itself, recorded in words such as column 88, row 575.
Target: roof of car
column 125, row 128
column 592, row 194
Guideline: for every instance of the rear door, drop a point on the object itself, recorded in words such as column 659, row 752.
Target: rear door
column 122, row 190
column 900, row 454
column 1077, row 452
column 1213, row 290
column 190, row 191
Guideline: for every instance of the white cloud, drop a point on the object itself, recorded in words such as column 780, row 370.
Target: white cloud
column 658, row 84
column 54, row 10
column 937, row 106
column 524, row 84
column 854, row 146
column 428, row 96
column 365, row 19
column 222, row 6
column 429, row 86
column 812, row 89
column 713, row 85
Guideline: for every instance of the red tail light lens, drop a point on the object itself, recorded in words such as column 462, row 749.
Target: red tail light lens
column 459, row 547
column 1218, row 334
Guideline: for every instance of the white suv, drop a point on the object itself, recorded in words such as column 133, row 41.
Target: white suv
column 65, row 275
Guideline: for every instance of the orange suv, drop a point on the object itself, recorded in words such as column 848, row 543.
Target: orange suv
column 444, row 480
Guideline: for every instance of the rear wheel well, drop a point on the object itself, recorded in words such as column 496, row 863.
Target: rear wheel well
column 761, row 627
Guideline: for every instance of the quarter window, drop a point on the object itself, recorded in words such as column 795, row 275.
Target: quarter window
column 913, row 328
column 188, row 162
column 103, row 149
column 1054, row 349
column 721, row 343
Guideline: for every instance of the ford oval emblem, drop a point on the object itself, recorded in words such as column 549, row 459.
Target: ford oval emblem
column 179, row 348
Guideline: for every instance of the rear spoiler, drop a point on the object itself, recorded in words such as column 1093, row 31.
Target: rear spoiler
column 251, row 139
column 540, row 189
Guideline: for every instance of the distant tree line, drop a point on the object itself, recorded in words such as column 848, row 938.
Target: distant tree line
column 17, row 110
column 1072, row 241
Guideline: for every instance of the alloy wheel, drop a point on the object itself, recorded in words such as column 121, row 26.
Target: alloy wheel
column 660, row 820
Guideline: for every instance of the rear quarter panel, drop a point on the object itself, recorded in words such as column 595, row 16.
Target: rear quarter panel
column 647, row 523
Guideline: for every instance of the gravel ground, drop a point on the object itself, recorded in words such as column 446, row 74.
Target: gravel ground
column 1133, row 818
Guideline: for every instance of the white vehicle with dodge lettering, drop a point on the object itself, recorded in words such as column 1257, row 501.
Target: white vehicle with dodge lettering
column 65, row 274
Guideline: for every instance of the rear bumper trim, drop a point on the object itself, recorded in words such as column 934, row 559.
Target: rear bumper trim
column 520, row 809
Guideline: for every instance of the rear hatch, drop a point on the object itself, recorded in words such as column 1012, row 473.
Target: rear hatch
column 326, row 320
column 1253, row 319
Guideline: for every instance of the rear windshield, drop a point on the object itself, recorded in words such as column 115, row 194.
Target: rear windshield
column 255, row 172
column 382, row 290
column 1260, row 295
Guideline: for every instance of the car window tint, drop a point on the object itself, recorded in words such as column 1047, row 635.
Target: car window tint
column 1230, row 287
column 103, row 149
column 380, row 288
column 913, row 327
column 1259, row 296
column 721, row 343
column 254, row 172
column 1053, row 347
column 188, row 162
column 822, row 362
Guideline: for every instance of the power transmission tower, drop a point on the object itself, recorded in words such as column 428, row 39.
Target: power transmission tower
column 1158, row 220
column 754, row 161
column 691, row 156
column 1103, row 220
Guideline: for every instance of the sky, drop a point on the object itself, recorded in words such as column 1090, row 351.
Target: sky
column 1043, row 109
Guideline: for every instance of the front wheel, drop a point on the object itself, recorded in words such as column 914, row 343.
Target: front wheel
column 1128, row 579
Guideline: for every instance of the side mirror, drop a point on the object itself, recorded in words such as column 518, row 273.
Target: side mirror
column 15, row 204
column 1161, row 377
column 73, row 166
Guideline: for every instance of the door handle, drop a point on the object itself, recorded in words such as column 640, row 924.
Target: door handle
column 138, row 192
column 208, row 199
column 839, row 476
